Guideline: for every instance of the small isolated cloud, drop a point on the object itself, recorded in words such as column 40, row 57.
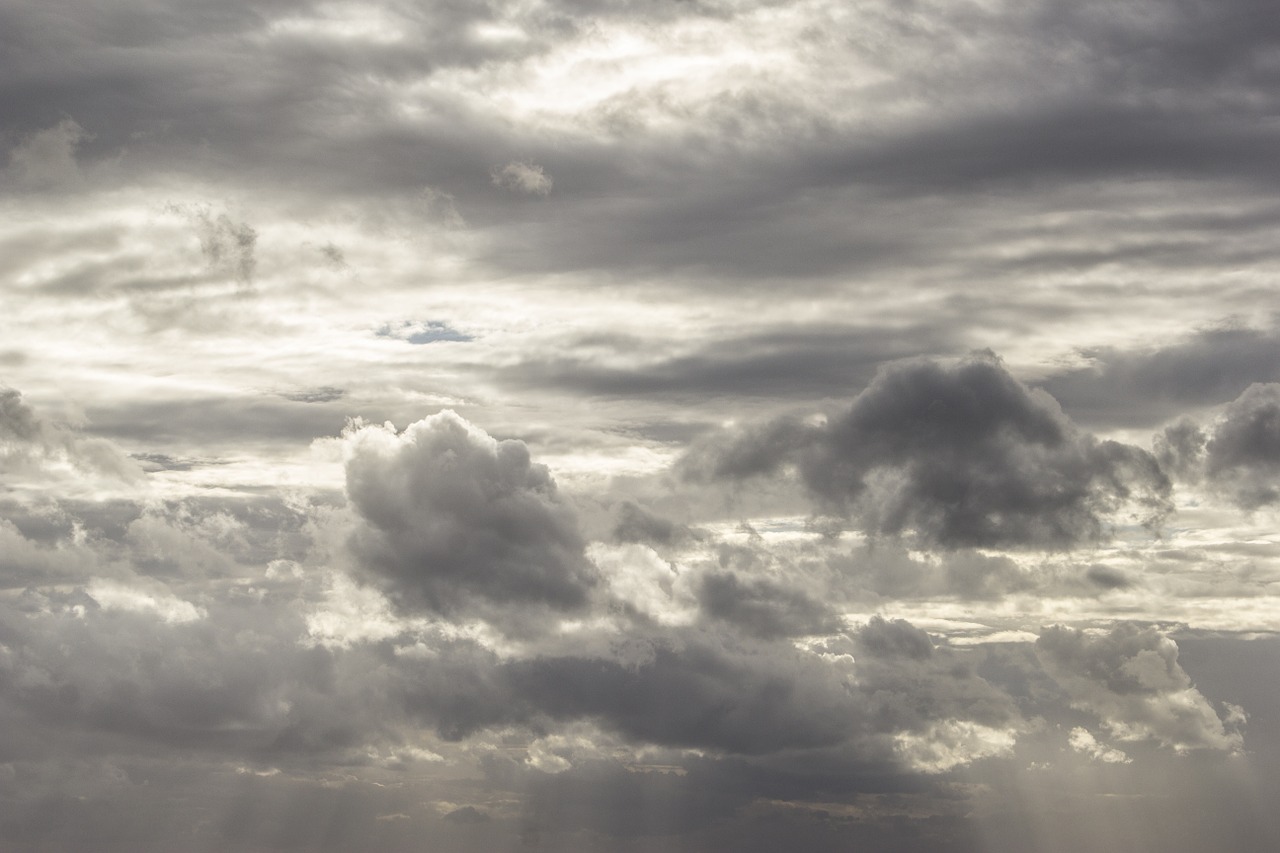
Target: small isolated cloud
column 521, row 176
column 428, row 332
column 47, row 158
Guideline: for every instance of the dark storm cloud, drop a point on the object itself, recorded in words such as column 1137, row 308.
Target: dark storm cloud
column 963, row 455
column 1143, row 388
column 453, row 519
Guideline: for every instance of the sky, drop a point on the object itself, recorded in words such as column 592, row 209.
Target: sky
column 590, row 425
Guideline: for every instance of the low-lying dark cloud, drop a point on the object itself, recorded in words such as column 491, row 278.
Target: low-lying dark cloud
column 962, row 455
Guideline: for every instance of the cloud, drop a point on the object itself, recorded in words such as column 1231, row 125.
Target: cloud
column 521, row 176
column 47, row 158
column 227, row 245
column 1145, row 387
column 818, row 360
column 454, row 521
column 963, row 455
column 1130, row 680
column 1243, row 457
column 38, row 450
column 637, row 524
column 1238, row 455
column 762, row 608
column 1081, row 740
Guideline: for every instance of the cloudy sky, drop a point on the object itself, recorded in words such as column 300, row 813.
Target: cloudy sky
column 589, row 425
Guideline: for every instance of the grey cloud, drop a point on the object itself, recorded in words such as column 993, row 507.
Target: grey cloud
column 816, row 361
column 206, row 426
column 47, row 158
column 1180, row 449
column 30, row 444
column 1238, row 455
column 453, row 520
column 1142, row 388
column 227, row 245
column 235, row 681
column 699, row 694
column 521, row 176
column 963, row 455
column 428, row 332
column 1243, row 456
column 637, row 524
column 322, row 394
column 1130, row 680
column 762, row 608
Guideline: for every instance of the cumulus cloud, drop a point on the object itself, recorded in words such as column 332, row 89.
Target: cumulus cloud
column 1130, row 680
column 521, row 176
column 960, row 454
column 1238, row 455
column 454, row 521
column 1244, row 454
